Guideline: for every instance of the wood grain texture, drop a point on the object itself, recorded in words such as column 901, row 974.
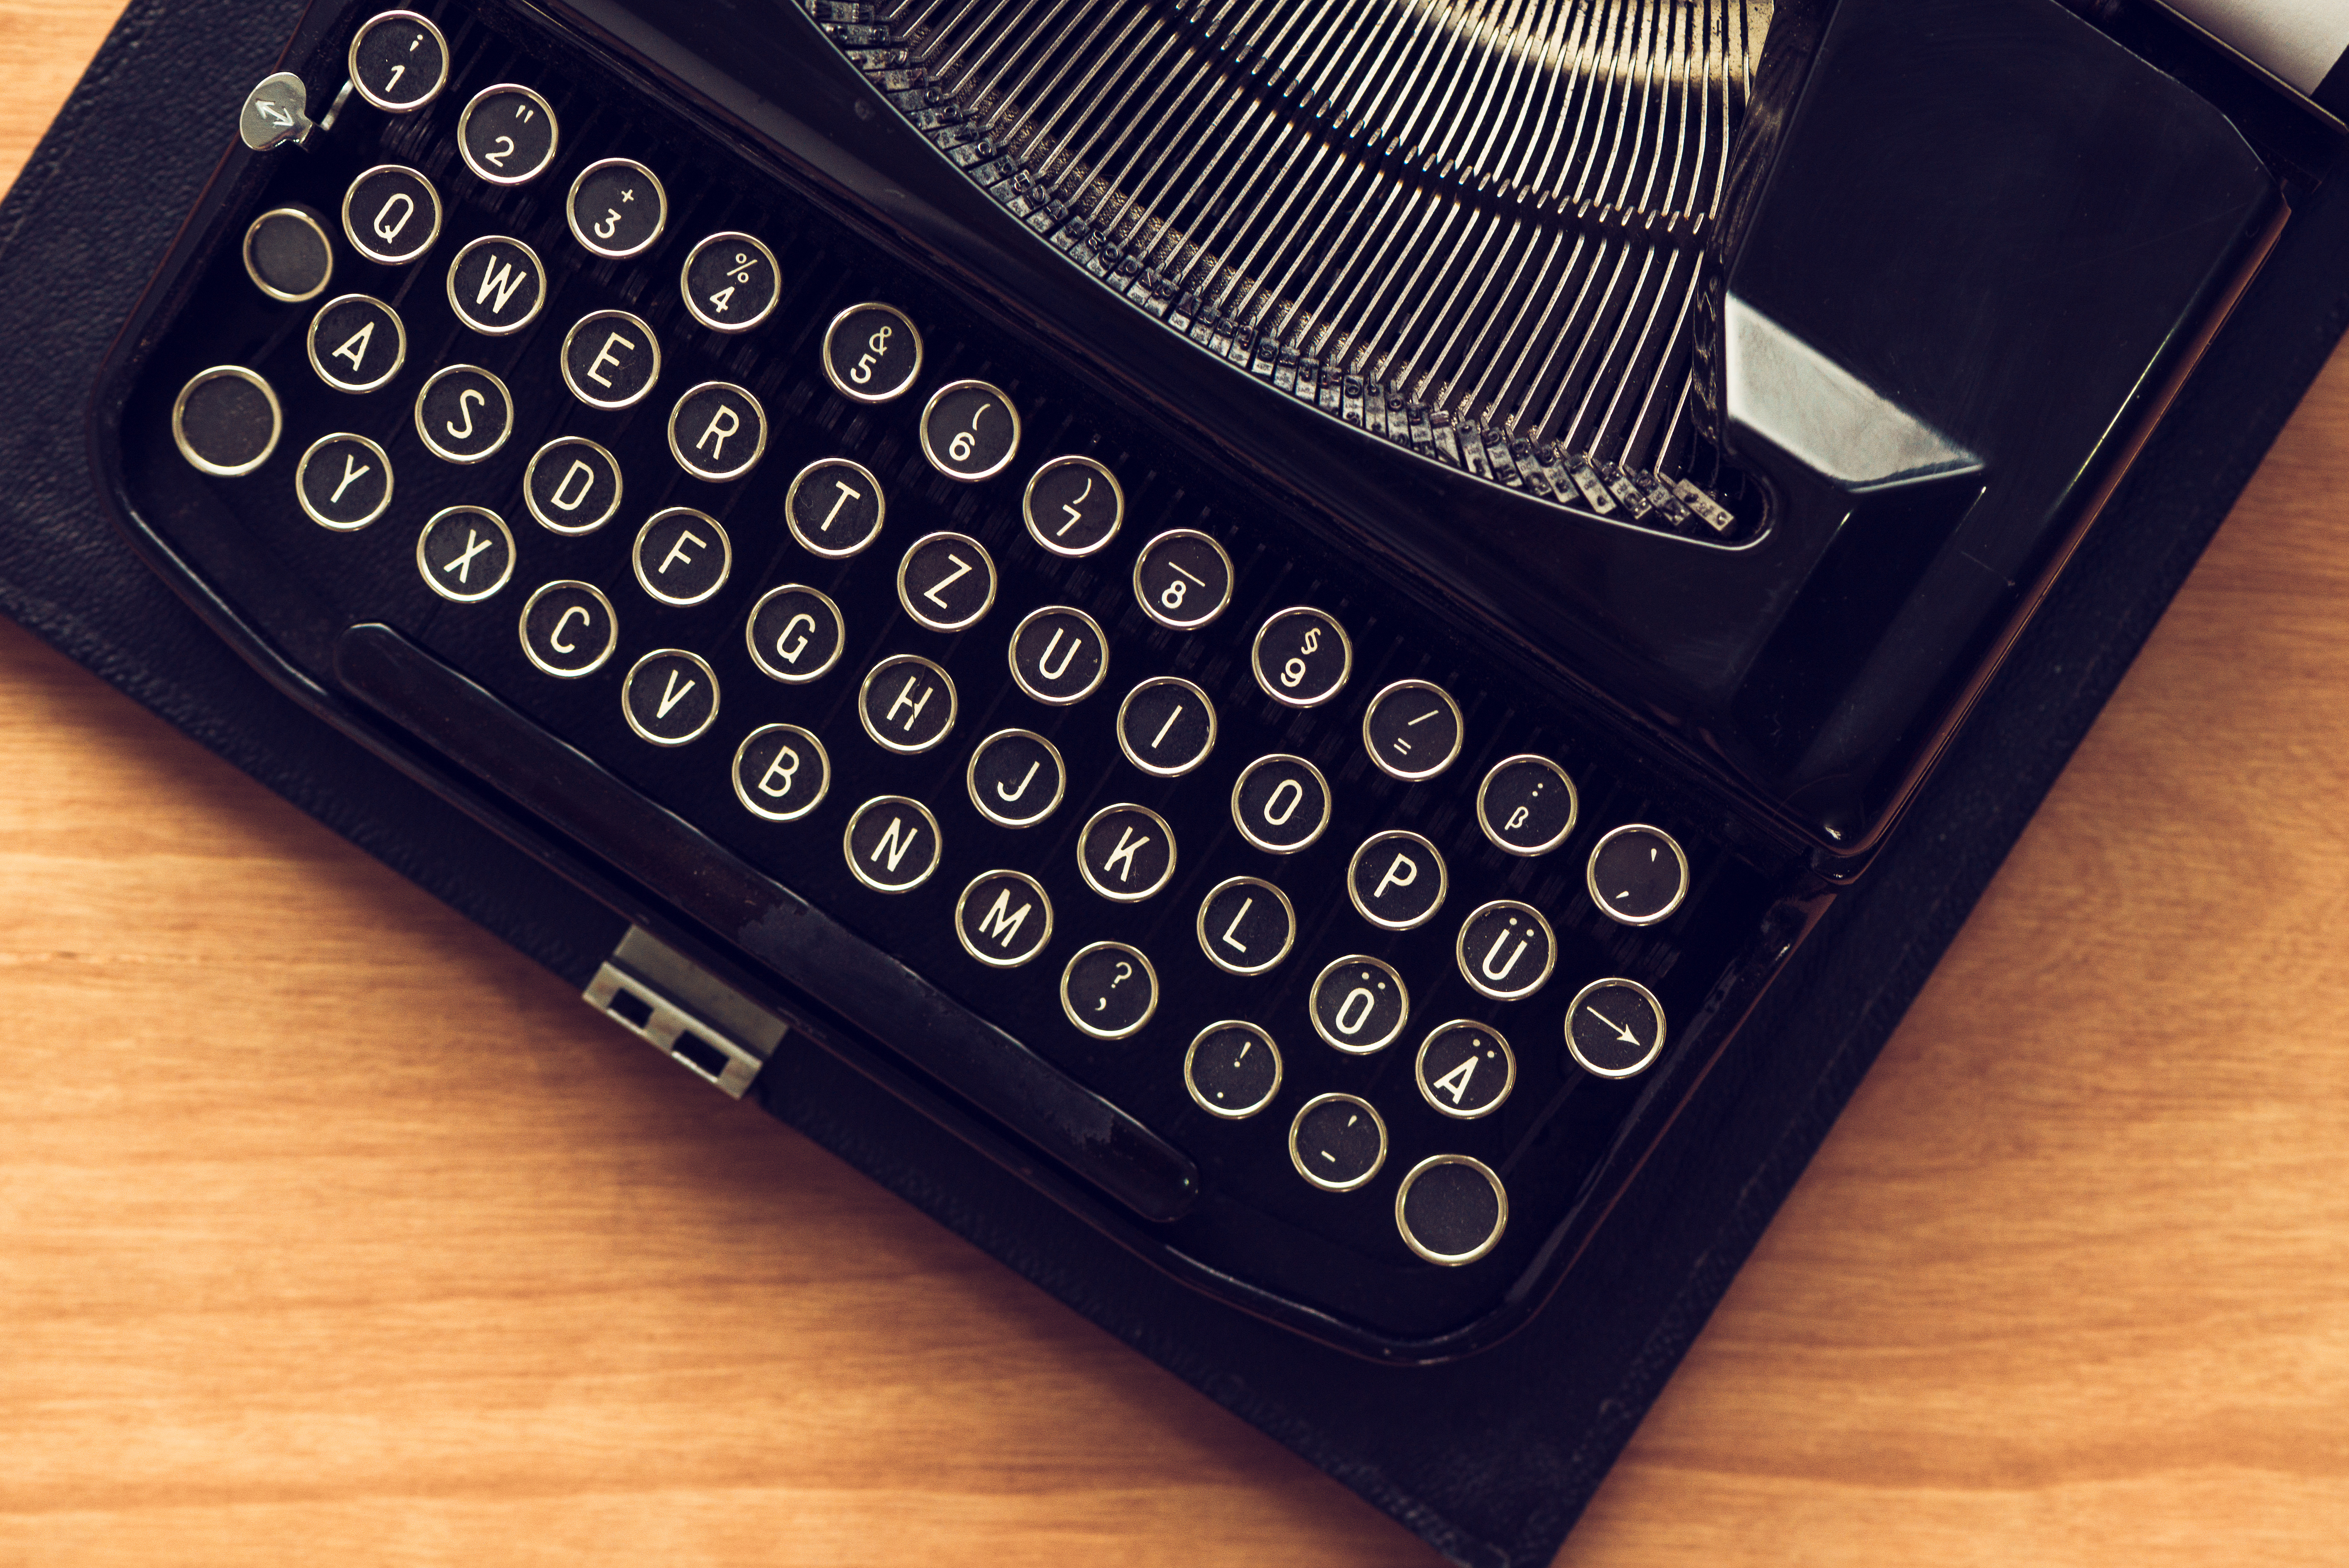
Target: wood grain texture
column 331, row 1231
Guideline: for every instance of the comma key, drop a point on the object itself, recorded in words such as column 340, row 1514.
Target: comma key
column 1108, row 989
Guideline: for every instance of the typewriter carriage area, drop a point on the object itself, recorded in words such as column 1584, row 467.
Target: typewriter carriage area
column 1765, row 695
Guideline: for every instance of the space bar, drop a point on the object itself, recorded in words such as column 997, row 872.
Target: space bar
column 801, row 944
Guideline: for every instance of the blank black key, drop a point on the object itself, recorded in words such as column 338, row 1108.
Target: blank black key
column 226, row 421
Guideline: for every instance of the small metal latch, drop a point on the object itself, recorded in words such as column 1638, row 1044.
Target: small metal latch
column 659, row 995
column 275, row 112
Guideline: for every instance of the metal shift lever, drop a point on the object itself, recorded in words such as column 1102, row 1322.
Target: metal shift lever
column 276, row 112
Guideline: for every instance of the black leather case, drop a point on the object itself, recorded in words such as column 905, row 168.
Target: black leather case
column 1489, row 1459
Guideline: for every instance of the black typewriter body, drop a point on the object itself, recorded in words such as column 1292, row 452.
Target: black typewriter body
column 1957, row 257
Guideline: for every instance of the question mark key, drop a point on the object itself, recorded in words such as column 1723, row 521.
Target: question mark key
column 1108, row 989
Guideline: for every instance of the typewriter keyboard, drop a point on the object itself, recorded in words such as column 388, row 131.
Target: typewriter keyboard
column 800, row 547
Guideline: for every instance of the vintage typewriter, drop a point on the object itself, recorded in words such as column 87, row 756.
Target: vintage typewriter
column 1278, row 613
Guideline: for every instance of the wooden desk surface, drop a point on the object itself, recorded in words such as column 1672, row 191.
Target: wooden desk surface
column 332, row 1231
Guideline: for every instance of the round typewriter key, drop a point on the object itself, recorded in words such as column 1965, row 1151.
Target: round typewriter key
column 946, row 581
column 969, row 431
column 357, row 343
column 344, row 482
column 1337, row 1142
column 496, row 285
column 1451, row 1209
column 1280, row 804
column 1059, row 655
column 465, row 553
column 463, row 413
column 731, row 282
column 907, row 703
column 834, row 507
column 872, row 353
column 1017, row 778
column 682, row 557
column 226, row 421
column 507, row 134
column 780, row 773
column 671, row 696
column 892, row 843
column 1233, row 1069
column 1637, row 875
column 1505, row 950
column 287, row 254
column 1615, row 1028
column 717, row 431
column 1302, row 658
column 1108, row 989
column 1166, row 726
column 391, row 214
column 1465, row 1070
column 571, row 486
column 1413, row 730
column 1397, row 881
column 1246, row 925
column 1183, row 580
column 1126, row 853
column 611, row 359
column 616, row 208
column 568, row 629
column 398, row 61
column 796, row 633
column 1003, row 918
column 1359, row 1004
column 1526, row 805
column 1073, row 506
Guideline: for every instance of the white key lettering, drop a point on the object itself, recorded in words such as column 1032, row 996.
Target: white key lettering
column 672, row 694
column 723, row 423
column 353, row 469
column 1402, row 872
column 604, row 355
column 962, row 569
column 677, row 551
column 786, row 766
column 585, row 476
